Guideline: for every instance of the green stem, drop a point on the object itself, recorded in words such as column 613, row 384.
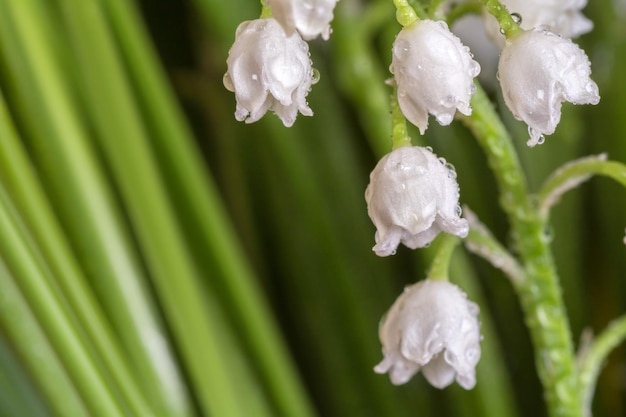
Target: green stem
column 593, row 358
column 573, row 173
column 405, row 14
column 481, row 242
column 509, row 26
column 399, row 131
column 540, row 293
column 440, row 264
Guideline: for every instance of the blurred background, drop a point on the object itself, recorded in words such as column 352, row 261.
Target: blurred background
column 290, row 215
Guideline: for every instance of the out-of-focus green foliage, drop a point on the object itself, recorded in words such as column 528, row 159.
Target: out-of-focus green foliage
column 201, row 266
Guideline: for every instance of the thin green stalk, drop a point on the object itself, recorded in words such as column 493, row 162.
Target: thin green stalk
column 573, row 173
column 399, row 132
column 440, row 264
column 510, row 28
column 539, row 293
column 594, row 356
column 481, row 242
column 405, row 14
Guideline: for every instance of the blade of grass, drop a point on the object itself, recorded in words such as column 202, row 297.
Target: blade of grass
column 193, row 315
column 35, row 354
column 26, row 263
column 194, row 195
column 75, row 182
column 21, row 182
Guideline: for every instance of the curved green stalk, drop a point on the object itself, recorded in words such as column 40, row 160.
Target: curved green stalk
column 573, row 173
column 540, row 293
column 594, row 356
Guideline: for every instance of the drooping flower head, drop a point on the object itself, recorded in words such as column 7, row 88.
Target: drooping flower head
column 538, row 71
column 411, row 197
column 434, row 73
column 434, row 328
column 563, row 17
column 309, row 17
column 269, row 70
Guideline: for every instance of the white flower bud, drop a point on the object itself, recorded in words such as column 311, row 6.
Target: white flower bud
column 268, row 70
column 564, row 17
column 434, row 328
column 411, row 197
column 309, row 17
column 538, row 71
column 434, row 73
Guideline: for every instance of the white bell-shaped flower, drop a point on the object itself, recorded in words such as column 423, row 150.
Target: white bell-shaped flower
column 434, row 73
column 434, row 328
column 309, row 17
column 411, row 197
column 538, row 71
column 269, row 70
column 563, row 17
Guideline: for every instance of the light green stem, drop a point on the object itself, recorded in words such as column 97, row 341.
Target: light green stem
column 509, row 26
column 540, row 292
column 573, row 173
column 405, row 14
column 399, row 132
column 440, row 264
column 594, row 357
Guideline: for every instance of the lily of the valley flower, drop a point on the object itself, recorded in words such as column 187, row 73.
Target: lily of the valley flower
column 269, row 70
column 434, row 73
column 309, row 17
column 538, row 71
column 563, row 17
column 434, row 328
column 411, row 197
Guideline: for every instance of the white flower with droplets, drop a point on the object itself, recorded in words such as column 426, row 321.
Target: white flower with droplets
column 432, row 327
column 412, row 197
column 269, row 70
column 564, row 17
column 538, row 71
column 309, row 17
column 434, row 73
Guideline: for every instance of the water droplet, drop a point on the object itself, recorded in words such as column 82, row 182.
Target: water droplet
column 502, row 31
column 228, row 82
column 541, row 94
column 541, row 139
column 517, row 18
column 255, row 77
column 316, row 76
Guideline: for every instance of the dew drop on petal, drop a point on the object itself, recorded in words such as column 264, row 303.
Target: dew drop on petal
column 228, row 82
column 517, row 18
column 316, row 76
